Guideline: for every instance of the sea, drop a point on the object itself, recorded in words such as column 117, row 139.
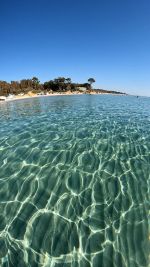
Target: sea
column 75, row 181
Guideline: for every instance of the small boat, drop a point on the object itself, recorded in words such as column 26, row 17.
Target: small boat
column 2, row 98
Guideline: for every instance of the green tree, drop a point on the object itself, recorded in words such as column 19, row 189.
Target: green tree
column 68, row 80
column 59, row 80
column 35, row 80
column 91, row 80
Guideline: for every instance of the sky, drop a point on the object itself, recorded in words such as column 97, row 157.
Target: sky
column 108, row 40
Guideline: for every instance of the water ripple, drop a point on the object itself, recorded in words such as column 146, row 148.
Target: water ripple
column 74, row 182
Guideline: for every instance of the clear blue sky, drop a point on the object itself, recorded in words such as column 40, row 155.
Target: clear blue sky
column 105, row 39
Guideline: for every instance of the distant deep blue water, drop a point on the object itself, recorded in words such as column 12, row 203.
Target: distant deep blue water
column 74, row 182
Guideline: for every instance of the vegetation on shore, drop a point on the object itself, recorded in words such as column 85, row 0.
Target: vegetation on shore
column 59, row 85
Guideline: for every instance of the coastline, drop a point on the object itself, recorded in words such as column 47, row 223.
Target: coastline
column 68, row 93
column 27, row 96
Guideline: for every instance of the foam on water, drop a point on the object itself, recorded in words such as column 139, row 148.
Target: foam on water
column 74, row 182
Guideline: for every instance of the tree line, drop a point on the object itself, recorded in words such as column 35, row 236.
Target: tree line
column 60, row 84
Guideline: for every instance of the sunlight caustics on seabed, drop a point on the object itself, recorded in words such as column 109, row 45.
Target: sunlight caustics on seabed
column 74, row 182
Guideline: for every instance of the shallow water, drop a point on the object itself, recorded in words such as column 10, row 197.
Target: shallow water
column 74, row 182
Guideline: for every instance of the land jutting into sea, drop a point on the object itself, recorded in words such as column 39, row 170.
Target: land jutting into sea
column 26, row 88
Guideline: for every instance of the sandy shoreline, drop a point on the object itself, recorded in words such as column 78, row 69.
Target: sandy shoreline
column 31, row 95
column 27, row 96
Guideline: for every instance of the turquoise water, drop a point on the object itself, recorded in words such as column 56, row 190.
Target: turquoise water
column 74, row 182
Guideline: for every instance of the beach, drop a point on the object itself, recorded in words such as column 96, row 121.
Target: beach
column 31, row 95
